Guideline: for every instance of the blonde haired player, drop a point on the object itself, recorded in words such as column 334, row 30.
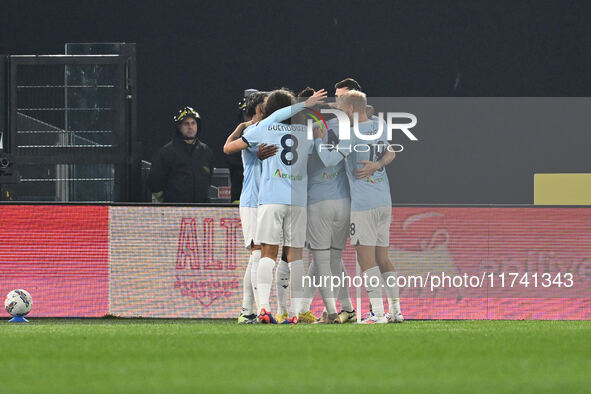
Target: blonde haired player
column 371, row 205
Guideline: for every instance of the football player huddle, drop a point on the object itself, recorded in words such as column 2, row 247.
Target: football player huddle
column 313, row 190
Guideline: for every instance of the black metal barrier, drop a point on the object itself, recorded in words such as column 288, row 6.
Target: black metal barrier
column 70, row 126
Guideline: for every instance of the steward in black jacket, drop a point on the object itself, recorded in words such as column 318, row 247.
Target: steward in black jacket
column 181, row 169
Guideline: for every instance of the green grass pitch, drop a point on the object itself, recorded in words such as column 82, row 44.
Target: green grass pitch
column 120, row 355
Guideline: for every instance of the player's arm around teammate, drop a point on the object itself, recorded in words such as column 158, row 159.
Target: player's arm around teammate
column 371, row 209
column 278, row 116
column 265, row 151
column 370, row 167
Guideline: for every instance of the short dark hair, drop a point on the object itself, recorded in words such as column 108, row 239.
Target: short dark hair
column 278, row 99
column 252, row 101
column 348, row 83
column 286, row 89
column 306, row 92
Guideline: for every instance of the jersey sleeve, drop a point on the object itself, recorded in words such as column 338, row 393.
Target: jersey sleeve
column 281, row 114
column 252, row 149
column 254, row 137
column 310, row 148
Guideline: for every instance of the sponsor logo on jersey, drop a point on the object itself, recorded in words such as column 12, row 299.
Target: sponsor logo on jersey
column 328, row 176
column 375, row 180
column 285, row 175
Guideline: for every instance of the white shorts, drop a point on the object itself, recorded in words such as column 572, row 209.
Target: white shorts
column 248, row 217
column 275, row 220
column 328, row 224
column 371, row 227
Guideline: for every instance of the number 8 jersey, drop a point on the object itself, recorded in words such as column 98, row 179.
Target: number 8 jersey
column 284, row 178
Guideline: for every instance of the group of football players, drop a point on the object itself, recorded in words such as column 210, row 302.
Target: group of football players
column 300, row 190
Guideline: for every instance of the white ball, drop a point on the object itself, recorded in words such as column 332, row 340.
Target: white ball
column 18, row 302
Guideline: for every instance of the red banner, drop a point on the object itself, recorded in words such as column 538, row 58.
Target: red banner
column 154, row 261
column 59, row 254
column 526, row 256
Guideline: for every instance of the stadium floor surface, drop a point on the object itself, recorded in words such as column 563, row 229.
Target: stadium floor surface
column 141, row 355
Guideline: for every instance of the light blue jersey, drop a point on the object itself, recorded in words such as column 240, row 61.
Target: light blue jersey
column 249, row 197
column 373, row 192
column 327, row 183
column 284, row 178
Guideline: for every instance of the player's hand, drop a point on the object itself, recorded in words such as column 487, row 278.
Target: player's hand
column 317, row 98
column 318, row 132
column 367, row 170
column 266, row 151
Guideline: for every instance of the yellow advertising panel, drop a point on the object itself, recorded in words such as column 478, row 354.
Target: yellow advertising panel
column 562, row 189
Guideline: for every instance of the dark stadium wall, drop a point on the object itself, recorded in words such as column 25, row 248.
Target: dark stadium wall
column 204, row 54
